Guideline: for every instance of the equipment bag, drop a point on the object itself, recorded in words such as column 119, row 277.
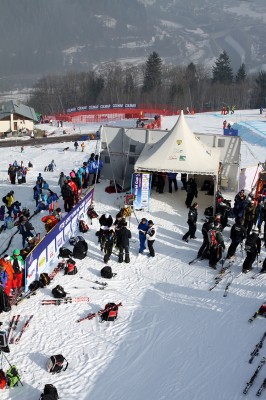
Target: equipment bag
column 110, row 315
column 44, row 279
column 12, row 376
column 56, row 364
column 58, row 292
column 83, row 227
column 106, row 272
column 34, row 286
column 80, row 250
column 75, row 239
column 71, row 268
column 2, row 379
column 49, row 393
column 64, row 252
column 91, row 213
column 4, row 200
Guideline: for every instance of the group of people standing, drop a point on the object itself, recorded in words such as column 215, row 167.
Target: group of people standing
column 17, row 172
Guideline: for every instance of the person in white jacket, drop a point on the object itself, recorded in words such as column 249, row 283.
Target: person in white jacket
column 150, row 235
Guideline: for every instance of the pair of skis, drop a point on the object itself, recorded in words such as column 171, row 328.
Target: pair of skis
column 102, row 285
column 219, row 277
column 13, row 328
column 93, row 315
column 66, row 300
column 257, row 348
column 254, row 376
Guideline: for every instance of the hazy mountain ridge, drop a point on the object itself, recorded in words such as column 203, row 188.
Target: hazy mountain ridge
column 59, row 35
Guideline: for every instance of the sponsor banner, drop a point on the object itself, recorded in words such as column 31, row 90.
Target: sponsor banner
column 45, row 253
column 141, row 189
column 101, row 107
column 231, row 132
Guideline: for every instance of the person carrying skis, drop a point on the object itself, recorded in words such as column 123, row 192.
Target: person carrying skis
column 76, row 145
column 192, row 223
column 204, row 249
column 123, row 236
column 216, row 244
column 237, row 235
column 192, row 190
column 150, row 235
column 142, row 228
column 252, row 247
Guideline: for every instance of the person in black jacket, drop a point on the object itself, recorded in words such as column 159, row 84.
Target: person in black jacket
column 217, row 246
column 192, row 223
column 25, row 229
column 123, row 236
column 106, row 221
column 192, row 190
column 205, row 229
column 68, row 196
column 237, row 235
column 252, row 247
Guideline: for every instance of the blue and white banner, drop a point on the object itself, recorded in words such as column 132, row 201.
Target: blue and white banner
column 141, row 188
column 43, row 255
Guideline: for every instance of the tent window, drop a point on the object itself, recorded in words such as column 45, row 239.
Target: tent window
column 107, row 160
column 131, row 160
column 104, row 145
column 132, row 148
column 221, row 142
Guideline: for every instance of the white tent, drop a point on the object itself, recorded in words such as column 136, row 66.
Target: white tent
column 179, row 151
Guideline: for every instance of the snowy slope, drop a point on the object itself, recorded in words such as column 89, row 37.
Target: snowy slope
column 173, row 339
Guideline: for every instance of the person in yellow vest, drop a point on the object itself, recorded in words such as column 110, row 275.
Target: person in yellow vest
column 82, row 146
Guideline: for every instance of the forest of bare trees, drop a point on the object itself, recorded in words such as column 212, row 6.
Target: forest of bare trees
column 155, row 84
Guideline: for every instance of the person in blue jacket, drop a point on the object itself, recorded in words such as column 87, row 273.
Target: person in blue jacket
column 3, row 276
column 98, row 166
column 172, row 179
column 143, row 229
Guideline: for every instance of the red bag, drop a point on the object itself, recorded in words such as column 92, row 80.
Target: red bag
column 2, row 379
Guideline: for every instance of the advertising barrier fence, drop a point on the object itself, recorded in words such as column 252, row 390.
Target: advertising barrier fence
column 44, row 254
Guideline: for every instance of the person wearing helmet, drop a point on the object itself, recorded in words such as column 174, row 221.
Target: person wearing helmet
column 252, row 247
column 237, row 235
column 18, row 267
column 203, row 251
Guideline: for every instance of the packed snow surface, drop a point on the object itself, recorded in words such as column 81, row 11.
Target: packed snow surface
column 173, row 338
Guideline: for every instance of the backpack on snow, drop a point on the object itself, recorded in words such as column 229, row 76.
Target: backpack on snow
column 2, row 379
column 12, row 376
column 49, row 393
column 58, row 292
column 80, row 250
column 83, row 227
column 44, row 279
column 110, row 315
column 71, row 268
column 91, row 213
column 56, row 364
column 107, row 273
column 64, row 252
column 75, row 239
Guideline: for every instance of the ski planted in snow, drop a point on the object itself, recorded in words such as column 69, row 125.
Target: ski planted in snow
column 260, row 312
column 254, row 376
column 12, row 340
column 25, row 326
column 65, row 300
column 262, row 386
column 92, row 315
column 257, row 348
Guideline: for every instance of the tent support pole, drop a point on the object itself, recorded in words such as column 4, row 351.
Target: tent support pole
column 214, row 194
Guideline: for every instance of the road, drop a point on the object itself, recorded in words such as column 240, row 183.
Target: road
column 40, row 141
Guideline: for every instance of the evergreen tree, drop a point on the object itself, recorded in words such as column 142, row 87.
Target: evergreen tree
column 152, row 73
column 241, row 74
column 222, row 71
column 261, row 82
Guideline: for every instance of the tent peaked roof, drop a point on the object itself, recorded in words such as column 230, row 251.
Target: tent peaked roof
column 179, row 151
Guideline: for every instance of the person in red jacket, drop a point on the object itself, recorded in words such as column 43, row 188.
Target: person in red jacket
column 74, row 188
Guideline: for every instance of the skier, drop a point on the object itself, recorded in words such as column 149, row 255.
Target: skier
column 250, row 216
column 192, row 190
column 82, row 146
column 61, row 179
column 237, row 235
column 40, row 179
column 18, row 267
column 204, row 249
column 37, row 192
column 123, row 236
column 216, row 243
column 192, row 223
column 76, row 145
column 142, row 228
column 252, row 247
column 150, row 235
column 172, row 179
column 25, row 228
